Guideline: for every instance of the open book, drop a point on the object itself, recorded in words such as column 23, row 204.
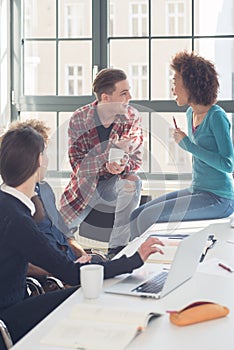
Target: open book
column 95, row 327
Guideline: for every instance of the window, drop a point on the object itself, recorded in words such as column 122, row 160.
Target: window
column 138, row 79
column 74, row 79
column 58, row 46
column 74, row 20
column 138, row 16
column 175, row 17
column 175, row 155
column 111, row 19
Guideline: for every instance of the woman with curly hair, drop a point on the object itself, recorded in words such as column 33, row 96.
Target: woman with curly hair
column 211, row 194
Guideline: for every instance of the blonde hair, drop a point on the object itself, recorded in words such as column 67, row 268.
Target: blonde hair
column 35, row 124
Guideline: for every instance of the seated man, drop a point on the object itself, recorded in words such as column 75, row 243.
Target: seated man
column 98, row 178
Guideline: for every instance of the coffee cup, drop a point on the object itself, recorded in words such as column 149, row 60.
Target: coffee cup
column 117, row 155
column 91, row 280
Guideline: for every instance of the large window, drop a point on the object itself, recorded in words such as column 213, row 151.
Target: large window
column 59, row 45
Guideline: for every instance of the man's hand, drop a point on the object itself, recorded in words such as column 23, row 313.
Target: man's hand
column 128, row 144
column 150, row 247
column 116, row 168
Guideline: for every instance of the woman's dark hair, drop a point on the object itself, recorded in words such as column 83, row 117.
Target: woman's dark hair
column 19, row 155
column 105, row 81
column 199, row 77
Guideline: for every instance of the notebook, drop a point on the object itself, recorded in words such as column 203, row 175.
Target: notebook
column 183, row 267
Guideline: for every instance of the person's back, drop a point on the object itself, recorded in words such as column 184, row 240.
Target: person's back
column 52, row 225
column 12, row 276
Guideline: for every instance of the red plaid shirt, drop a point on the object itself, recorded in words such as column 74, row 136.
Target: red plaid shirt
column 87, row 159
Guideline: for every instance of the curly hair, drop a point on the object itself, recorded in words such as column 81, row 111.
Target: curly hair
column 35, row 124
column 199, row 77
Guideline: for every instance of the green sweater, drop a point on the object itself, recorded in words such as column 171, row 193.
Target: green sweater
column 212, row 150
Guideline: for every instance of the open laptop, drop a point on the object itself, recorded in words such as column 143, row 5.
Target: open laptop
column 184, row 265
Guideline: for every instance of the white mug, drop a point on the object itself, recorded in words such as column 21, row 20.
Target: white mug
column 116, row 155
column 91, row 280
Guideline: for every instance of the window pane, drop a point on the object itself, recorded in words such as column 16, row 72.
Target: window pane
column 39, row 18
column 137, row 71
column 49, row 118
column 75, row 62
column 75, row 18
column 171, row 17
column 161, row 54
column 221, row 52
column 145, row 127
column 64, row 164
column 133, row 16
column 166, row 155
column 39, row 68
column 220, row 15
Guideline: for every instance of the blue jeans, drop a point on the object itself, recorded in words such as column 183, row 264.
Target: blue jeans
column 177, row 206
column 122, row 194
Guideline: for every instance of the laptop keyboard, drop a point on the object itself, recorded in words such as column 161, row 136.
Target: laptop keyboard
column 153, row 285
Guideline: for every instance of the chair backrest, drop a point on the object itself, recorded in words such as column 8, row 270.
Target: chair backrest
column 34, row 287
column 99, row 223
column 5, row 335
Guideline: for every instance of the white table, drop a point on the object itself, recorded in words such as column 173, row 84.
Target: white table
column 160, row 333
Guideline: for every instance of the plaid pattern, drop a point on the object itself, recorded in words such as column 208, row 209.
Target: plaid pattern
column 87, row 159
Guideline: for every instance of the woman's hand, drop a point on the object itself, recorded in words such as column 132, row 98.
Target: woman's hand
column 84, row 259
column 178, row 135
column 150, row 247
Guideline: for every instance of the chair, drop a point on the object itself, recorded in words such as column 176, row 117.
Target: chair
column 34, row 287
column 98, row 224
column 5, row 335
column 37, row 286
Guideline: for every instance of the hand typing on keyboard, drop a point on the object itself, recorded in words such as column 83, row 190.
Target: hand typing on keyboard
column 150, row 246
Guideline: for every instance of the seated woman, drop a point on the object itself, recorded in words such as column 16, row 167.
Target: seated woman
column 211, row 194
column 21, row 242
column 47, row 216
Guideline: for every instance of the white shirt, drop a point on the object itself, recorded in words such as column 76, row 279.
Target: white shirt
column 19, row 195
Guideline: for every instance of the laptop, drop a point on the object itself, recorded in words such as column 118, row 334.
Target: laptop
column 183, row 267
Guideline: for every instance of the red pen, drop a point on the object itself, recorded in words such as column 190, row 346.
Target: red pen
column 175, row 122
column 225, row 267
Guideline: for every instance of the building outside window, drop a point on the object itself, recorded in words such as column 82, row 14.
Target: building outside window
column 138, row 18
column 74, row 79
column 175, row 17
column 74, row 19
column 138, row 80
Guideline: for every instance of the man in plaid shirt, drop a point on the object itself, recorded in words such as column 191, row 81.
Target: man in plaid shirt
column 93, row 130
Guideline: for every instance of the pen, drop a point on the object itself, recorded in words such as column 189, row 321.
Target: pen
column 225, row 267
column 175, row 122
column 179, row 236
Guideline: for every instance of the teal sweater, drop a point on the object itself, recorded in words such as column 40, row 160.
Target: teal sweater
column 212, row 150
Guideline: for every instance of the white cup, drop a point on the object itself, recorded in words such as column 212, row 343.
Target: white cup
column 91, row 280
column 116, row 155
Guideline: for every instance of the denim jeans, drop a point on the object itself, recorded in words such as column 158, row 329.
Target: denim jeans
column 122, row 194
column 177, row 206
